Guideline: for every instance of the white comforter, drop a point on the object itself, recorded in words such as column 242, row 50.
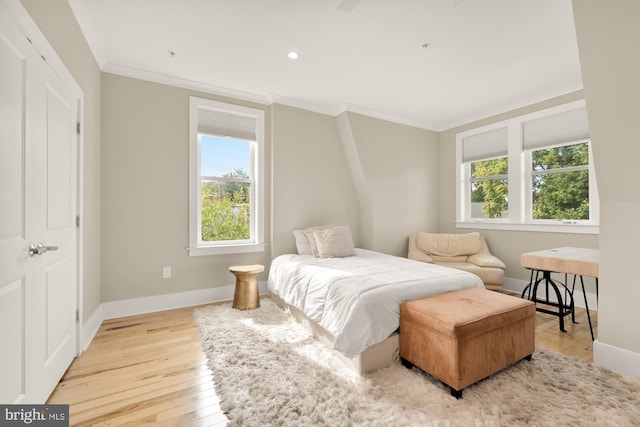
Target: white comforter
column 357, row 299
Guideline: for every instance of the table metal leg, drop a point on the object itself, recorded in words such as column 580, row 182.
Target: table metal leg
column 573, row 289
column 586, row 304
column 527, row 289
column 564, row 309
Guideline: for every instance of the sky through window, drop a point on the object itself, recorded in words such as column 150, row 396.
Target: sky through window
column 221, row 156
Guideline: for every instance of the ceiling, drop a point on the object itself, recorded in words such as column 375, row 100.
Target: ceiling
column 434, row 64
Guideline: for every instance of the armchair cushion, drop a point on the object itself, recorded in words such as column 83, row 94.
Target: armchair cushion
column 485, row 260
column 416, row 253
column 444, row 244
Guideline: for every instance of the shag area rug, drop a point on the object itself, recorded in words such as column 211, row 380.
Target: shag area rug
column 269, row 371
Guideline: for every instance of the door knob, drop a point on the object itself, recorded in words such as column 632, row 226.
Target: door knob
column 39, row 249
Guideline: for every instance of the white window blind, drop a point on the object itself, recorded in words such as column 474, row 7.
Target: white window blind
column 226, row 124
column 485, row 145
column 565, row 127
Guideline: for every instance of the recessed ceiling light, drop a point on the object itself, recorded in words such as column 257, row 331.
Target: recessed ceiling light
column 293, row 55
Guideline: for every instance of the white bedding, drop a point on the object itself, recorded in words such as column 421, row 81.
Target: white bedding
column 357, row 299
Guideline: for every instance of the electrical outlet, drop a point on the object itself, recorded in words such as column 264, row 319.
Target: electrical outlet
column 166, row 272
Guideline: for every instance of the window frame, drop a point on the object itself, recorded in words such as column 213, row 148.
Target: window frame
column 257, row 178
column 520, row 180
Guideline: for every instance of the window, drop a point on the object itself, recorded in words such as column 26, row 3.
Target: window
column 226, row 150
column 487, row 174
column 560, row 182
column 533, row 172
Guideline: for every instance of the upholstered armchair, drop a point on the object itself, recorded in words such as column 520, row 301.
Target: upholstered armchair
column 468, row 252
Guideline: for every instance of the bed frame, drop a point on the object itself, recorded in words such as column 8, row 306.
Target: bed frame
column 373, row 358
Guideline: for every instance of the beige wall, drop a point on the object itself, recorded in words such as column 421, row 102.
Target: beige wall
column 608, row 39
column 395, row 170
column 507, row 245
column 57, row 22
column 145, row 193
column 311, row 183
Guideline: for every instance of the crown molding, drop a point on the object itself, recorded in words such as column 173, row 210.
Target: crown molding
column 352, row 108
column 137, row 73
column 332, row 111
column 303, row 105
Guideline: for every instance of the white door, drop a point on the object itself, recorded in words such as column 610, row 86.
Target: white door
column 37, row 205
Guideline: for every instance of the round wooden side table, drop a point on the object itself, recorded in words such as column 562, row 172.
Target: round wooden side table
column 246, row 295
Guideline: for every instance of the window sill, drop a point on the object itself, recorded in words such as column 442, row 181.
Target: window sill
column 546, row 228
column 228, row 249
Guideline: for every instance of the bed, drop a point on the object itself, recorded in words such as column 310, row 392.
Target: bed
column 352, row 303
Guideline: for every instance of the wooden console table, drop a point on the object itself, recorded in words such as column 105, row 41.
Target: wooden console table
column 579, row 262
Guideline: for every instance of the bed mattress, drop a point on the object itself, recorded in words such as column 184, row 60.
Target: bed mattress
column 357, row 299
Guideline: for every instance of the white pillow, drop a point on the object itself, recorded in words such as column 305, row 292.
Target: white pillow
column 305, row 242
column 334, row 242
column 302, row 243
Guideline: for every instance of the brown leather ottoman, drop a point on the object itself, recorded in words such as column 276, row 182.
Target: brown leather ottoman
column 464, row 336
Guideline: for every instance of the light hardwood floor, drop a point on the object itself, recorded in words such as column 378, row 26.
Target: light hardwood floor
column 150, row 369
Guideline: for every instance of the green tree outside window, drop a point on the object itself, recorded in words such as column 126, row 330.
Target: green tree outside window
column 561, row 182
column 490, row 188
column 226, row 213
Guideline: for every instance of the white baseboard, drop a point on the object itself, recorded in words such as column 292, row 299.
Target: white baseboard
column 516, row 286
column 90, row 328
column 135, row 306
column 617, row 359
